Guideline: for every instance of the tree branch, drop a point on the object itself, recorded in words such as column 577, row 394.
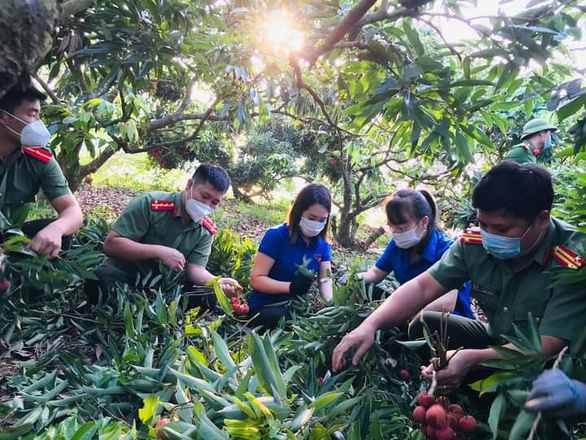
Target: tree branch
column 192, row 137
column 171, row 120
column 343, row 27
column 95, row 164
column 441, row 35
column 382, row 15
column 188, row 98
column 47, row 89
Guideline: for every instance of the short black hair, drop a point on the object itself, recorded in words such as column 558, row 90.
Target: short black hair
column 14, row 97
column 412, row 204
column 214, row 174
column 523, row 190
column 312, row 194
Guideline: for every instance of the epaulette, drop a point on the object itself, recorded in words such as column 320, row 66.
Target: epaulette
column 566, row 257
column 471, row 236
column 38, row 153
column 162, row 205
column 530, row 148
column 209, row 225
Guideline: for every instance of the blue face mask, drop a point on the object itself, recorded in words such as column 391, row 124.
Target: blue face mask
column 548, row 142
column 503, row 248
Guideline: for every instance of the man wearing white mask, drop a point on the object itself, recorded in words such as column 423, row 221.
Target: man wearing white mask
column 27, row 165
column 170, row 228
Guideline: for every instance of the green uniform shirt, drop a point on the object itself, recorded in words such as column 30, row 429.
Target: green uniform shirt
column 142, row 222
column 25, row 175
column 506, row 297
column 522, row 153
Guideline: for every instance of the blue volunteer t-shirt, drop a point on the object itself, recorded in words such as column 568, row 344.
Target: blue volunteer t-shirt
column 397, row 260
column 276, row 244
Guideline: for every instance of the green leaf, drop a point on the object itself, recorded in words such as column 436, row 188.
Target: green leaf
column 149, row 409
column 413, row 38
column 324, row 399
column 571, row 108
column 412, row 345
column 302, row 417
column 15, row 433
column 496, row 410
column 221, row 350
column 86, row 432
column 491, row 383
column 463, row 147
column 270, row 378
column 522, row 426
column 128, row 323
column 221, row 297
column 471, row 82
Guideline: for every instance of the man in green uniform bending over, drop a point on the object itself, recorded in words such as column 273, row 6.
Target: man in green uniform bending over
column 536, row 142
column 170, row 228
column 509, row 261
column 27, row 165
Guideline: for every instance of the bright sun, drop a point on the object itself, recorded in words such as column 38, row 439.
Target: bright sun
column 282, row 34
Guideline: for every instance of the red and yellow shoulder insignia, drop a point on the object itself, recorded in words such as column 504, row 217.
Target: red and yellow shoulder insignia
column 471, row 236
column 209, row 225
column 38, row 153
column 566, row 257
column 162, row 205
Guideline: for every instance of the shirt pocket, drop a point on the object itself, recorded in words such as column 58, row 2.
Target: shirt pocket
column 488, row 297
column 522, row 310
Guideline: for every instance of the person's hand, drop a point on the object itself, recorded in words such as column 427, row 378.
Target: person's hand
column 451, row 377
column 556, row 395
column 47, row 242
column 171, row 258
column 361, row 337
column 300, row 286
column 346, row 277
column 230, row 287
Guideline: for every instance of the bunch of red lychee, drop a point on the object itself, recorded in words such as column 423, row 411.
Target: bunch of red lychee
column 441, row 421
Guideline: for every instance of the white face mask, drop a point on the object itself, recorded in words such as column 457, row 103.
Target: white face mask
column 408, row 239
column 34, row 134
column 196, row 209
column 311, row 228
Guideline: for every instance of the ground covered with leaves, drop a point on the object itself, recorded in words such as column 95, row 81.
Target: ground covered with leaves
column 142, row 365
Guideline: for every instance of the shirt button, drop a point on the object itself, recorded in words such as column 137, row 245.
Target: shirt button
column 505, row 309
column 538, row 319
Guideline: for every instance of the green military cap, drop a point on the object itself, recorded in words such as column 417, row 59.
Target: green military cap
column 535, row 126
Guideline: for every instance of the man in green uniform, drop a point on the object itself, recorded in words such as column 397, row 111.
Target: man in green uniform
column 508, row 261
column 536, row 142
column 27, row 165
column 170, row 228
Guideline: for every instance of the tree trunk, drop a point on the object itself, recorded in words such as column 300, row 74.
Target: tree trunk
column 344, row 236
column 373, row 237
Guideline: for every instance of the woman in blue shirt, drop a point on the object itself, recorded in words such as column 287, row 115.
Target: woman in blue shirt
column 416, row 245
column 276, row 276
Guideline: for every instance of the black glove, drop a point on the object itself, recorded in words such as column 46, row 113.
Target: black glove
column 300, row 286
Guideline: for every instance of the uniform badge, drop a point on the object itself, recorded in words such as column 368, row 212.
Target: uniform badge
column 317, row 257
column 209, row 225
column 471, row 236
column 38, row 153
column 566, row 257
column 162, row 205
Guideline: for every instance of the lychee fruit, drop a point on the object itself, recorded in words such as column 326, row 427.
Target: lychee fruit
column 436, row 417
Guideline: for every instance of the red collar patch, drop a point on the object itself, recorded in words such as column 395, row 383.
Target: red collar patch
column 162, row 205
column 471, row 236
column 38, row 153
column 209, row 225
column 566, row 257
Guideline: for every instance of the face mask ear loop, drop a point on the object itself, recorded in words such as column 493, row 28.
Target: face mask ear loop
column 15, row 117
